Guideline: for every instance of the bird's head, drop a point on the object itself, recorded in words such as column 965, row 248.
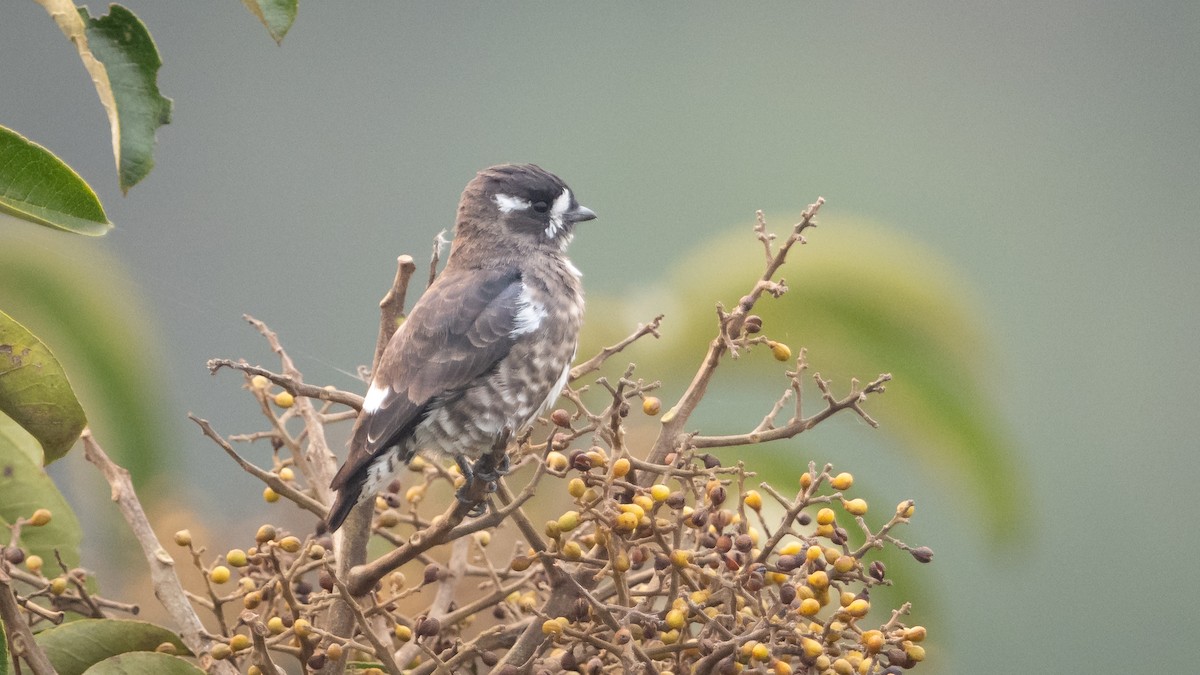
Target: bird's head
column 521, row 204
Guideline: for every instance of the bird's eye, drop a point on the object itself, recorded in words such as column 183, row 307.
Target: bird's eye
column 540, row 207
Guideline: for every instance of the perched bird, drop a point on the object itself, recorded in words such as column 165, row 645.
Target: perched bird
column 489, row 345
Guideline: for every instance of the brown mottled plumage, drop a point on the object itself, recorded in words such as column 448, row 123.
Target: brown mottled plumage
column 488, row 346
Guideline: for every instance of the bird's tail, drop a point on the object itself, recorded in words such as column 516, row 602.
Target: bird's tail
column 349, row 495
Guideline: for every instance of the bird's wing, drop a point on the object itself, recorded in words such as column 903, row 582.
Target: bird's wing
column 460, row 329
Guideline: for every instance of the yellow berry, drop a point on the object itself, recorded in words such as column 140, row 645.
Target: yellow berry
column 590, row 495
column 842, row 481
column 239, row 642
column 644, row 501
column 915, row 652
column 275, row 625
column 551, row 627
column 627, row 522
column 845, row 563
column 753, row 499
column 813, row 553
column 856, row 507
column 858, row 608
column 818, row 579
column 58, row 586
column 572, row 550
column 843, row 667
column 334, row 651
column 872, row 640
column 621, row 467
column 782, row 668
column 290, row 544
column 183, row 538
column 259, row 382
column 219, row 574
column 286, row 473
column 760, row 652
column 651, row 405
column 824, row 531
column 236, row 558
column 39, row 518
column 483, row 538
column 812, row 648
column 284, row 399
column 791, row 548
column 635, row 509
column 576, row 487
column 670, row 637
column 221, row 651
column 660, row 492
column 270, row 496
column 916, row 633
column 825, row 516
column 417, row 464
column 806, row 480
column 597, row 456
column 568, row 521
column 809, row 606
column 556, row 461
column 301, row 627
column 905, row 509
column 781, row 351
column 252, row 599
column 676, row 619
column 680, row 558
column 415, row 494
column 265, row 533
column 403, row 633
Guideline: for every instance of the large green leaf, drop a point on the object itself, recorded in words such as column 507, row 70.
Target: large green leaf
column 276, row 15
column 25, row 488
column 863, row 301
column 73, row 294
column 76, row 647
column 121, row 42
column 34, row 391
column 39, row 187
column 144, row 663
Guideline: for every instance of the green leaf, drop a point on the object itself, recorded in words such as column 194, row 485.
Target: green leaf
column 34, row 391
column 39, row 187
column 276, row 15
column 76, row 298
column 25, row 488
column 76, row 647
column 144, row 663
column 863, row 301
column 121, row 42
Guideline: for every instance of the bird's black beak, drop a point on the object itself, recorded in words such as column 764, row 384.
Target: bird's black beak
column 579, row 214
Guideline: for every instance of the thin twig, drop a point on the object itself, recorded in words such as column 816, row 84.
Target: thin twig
column 594, row 363
column 166, row 584
column 18, row 631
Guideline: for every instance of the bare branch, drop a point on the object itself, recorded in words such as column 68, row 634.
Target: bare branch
column 167, row 588
column 594, row 363
column 676, row 418
column 295, row 387
column 272, row 480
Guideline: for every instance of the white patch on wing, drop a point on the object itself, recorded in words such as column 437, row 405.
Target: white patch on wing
column 375, row 396
column 530, row 314
column 509, row 203
column 557, row 210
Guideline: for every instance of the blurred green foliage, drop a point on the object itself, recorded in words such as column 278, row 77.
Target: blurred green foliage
column 862, row 300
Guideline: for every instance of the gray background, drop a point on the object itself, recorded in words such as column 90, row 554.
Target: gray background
column 1050, row 151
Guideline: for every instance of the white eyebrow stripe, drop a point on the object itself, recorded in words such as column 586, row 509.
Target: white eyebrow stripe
column 557, row 210
column 509, row 203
